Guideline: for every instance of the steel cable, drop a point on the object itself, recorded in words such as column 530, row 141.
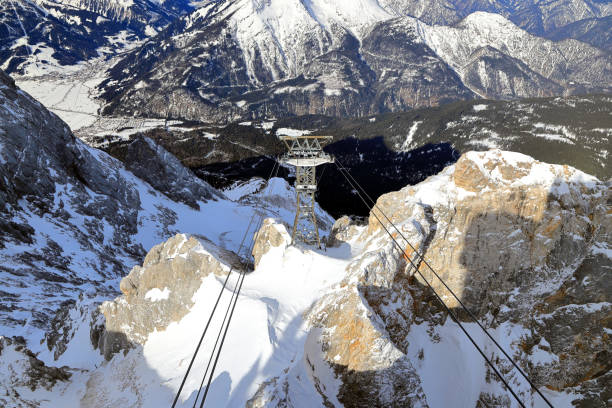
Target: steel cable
column 215, row 307
column 455, row 318
column 468, row 311
column 232, row 304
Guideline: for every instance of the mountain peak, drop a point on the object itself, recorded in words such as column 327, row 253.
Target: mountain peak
column 486, row 19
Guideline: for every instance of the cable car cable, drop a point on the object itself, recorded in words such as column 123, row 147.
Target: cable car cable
column 210, row 318
column 233, row 307
column 275, row 167
column 468, row 311
column 440, row 300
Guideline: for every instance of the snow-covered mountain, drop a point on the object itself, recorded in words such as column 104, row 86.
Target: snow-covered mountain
column 541, row 18
column 40, row 36
column 234, row 59
column 74, row 219
column 243, row 59
column 524, row 244
column 595, row 31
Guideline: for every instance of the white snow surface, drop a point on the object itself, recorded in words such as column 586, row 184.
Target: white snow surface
column 156, row 294
column 267, row 335
column 456, row 45
column 407, row 145
column 292, row 132
column 267, row 332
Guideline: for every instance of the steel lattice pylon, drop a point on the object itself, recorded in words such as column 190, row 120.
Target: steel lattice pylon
column 306, row 153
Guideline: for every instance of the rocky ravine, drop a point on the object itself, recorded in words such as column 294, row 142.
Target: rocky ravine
column 525, row 245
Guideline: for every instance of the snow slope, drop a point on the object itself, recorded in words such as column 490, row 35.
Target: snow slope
column 264, row 338
column 74, row 220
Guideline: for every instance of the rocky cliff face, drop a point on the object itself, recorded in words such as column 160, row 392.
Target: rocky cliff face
column 153, row 164
column 72, row 217
column 523, row 244
column 176, row 267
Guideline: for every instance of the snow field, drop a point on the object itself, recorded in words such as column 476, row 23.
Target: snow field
column 69, row 97
column 453, row 373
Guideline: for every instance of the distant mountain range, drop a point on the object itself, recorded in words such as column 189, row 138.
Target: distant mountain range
column 234, row 60
column 39, row 35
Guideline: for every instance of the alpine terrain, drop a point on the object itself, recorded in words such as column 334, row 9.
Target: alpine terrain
column 305, row 203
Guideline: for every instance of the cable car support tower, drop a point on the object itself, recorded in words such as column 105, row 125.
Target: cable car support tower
column 305, row 153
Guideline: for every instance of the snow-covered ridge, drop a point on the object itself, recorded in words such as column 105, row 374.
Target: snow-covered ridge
column 458, row 43
column 320, row 323
column 81, row 30
column 298, row 57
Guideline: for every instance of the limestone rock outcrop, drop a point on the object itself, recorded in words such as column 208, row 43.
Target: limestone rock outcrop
column 161, row 290
column 269, row 235
column 523, row 244
column 343, row 230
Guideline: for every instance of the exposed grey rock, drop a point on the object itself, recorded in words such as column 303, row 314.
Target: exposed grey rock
column 70, row 214
column 21, row 372
column 508, row 77
column 408, row 72
column 164, row 172
column 595, row 31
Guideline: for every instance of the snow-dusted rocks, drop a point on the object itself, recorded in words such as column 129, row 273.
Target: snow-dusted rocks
column 24, row 379
column 353, row 326
column 153, row 164
column 161, row 291
column 269, row 235
column 496, row 59
column 344, row 230
column 267, row 335
column 524, row 244
column 74, row 220
column 501, row 220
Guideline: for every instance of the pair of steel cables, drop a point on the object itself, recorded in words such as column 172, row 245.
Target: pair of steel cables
column 229, row 312
column 365, row 198
column 374, row 209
